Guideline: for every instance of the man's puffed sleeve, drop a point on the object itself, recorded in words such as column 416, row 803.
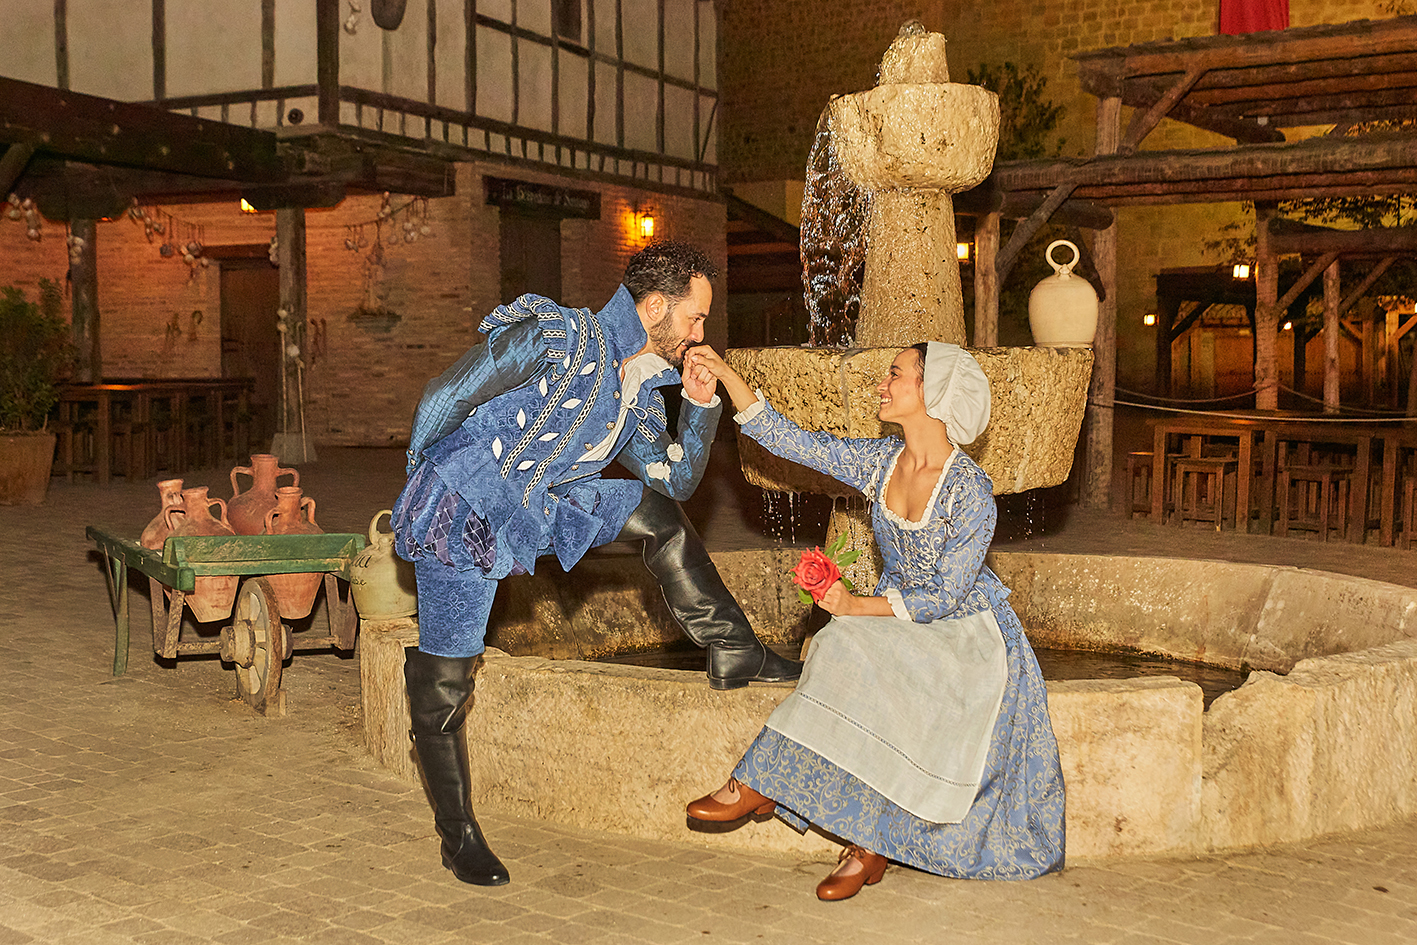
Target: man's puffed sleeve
column 509, row 358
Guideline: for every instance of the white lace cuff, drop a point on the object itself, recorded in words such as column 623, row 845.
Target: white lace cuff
column 897, row 600
column 714, row 402
column 750, row 411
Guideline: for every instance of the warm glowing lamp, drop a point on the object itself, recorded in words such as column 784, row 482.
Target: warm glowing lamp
column 645, row 222
column 962, row 251
column 1149, row 319
column 246, row 206
column 1288, row 326
column 1241, row 271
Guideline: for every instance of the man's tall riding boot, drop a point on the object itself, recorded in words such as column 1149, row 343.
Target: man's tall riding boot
column 439, row 689
column 698, row 598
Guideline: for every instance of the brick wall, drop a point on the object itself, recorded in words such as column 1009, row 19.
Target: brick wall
column 361, row 388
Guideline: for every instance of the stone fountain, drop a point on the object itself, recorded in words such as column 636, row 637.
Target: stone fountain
column 910, row 143
column 1321, row 738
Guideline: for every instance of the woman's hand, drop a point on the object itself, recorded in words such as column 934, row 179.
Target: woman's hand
column 702, row 362
column 839, row 602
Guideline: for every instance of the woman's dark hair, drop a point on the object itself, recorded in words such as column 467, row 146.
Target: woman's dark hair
column 666, row 268
column 921, row 348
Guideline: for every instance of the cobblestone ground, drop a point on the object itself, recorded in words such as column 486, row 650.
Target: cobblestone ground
column 156, row 808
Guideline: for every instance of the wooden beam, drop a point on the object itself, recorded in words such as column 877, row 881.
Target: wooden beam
column 1026, row 229
column 104, row 131
column 1333, row 158
column 1305, row 280
column 1290, row 237
column 1020, row 206
column 1373, row 275
column 1144, row 121
column 13, row 163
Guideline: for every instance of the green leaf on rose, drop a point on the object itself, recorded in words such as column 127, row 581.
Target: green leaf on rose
column 848, row 558
column 836, row 546
column 803, row 596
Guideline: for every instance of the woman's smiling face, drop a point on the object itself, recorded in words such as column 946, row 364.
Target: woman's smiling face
column 902, row 389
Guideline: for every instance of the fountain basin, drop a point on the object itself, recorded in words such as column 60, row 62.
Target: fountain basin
column 1331, row 746
column 1039, row 396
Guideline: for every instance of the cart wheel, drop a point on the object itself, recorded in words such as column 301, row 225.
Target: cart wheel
column 259, row 642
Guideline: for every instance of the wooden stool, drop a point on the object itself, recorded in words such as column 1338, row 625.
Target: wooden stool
column 1139, row 468
column 1326, row 484
column 1210, row 470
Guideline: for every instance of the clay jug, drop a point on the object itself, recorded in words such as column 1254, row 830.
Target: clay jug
column 247, row 510
column 1062, row 309
column 293, row 515
column 381, row 582
column 156, row 533
column 214, row 594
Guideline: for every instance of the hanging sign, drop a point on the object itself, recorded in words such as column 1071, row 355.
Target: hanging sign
column 542, row 198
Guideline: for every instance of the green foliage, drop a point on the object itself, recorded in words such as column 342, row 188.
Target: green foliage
column 35, row 356
column 1027, row 117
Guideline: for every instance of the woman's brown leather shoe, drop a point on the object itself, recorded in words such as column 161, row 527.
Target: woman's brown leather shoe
column 836, row 886
column 748, row 802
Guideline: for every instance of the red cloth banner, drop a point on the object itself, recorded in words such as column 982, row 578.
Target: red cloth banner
column 1253, row 16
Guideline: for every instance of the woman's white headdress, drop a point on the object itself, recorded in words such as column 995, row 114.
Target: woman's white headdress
column 956, row 391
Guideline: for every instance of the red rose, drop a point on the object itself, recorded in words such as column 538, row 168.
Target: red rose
column 815, row 573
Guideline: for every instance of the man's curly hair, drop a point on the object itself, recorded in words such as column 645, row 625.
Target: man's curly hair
column 667, row 268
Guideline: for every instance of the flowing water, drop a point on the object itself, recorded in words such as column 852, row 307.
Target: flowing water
column 833, row 245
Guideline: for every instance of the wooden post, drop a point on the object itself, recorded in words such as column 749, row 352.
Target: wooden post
column 1166, row 312
column 986, row 281
column 327, row 29
column 291, row 442
column 1097, row 486
column 1391, row 361
column 1266, row 312
column 1331, row 330
column 89, row 354
column 1367, row 358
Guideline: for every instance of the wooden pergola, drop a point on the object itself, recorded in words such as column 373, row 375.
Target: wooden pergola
column 1252, row 90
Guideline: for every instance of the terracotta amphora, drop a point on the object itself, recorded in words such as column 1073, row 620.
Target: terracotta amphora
column 294, row 514
column 156, row 533
column 214, row 594
column 247, row 510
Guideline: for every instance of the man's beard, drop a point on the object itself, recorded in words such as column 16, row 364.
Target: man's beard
column 666, row 342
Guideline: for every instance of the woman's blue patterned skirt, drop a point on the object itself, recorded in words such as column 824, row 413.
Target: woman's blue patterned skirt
column 1014, row 830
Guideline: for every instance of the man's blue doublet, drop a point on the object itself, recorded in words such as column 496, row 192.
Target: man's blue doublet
column 508, row 483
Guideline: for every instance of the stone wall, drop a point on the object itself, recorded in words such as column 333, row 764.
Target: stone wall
column 363, row 382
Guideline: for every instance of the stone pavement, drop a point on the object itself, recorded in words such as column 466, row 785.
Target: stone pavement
column 155, row 808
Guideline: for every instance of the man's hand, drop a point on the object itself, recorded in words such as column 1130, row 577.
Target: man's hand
column 699, row 382
column 704, row 362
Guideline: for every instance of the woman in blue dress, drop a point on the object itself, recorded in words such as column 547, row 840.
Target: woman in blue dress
column 919, row 731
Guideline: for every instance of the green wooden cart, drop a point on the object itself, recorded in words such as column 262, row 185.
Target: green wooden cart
column 256, row 642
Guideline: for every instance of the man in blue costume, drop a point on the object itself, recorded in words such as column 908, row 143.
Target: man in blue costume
column 504, row 465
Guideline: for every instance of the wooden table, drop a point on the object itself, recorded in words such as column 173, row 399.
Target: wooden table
column 1267, row 437
column 139, row 396
column 1196, row 428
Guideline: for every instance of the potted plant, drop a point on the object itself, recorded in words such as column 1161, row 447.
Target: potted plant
column 35, row 356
